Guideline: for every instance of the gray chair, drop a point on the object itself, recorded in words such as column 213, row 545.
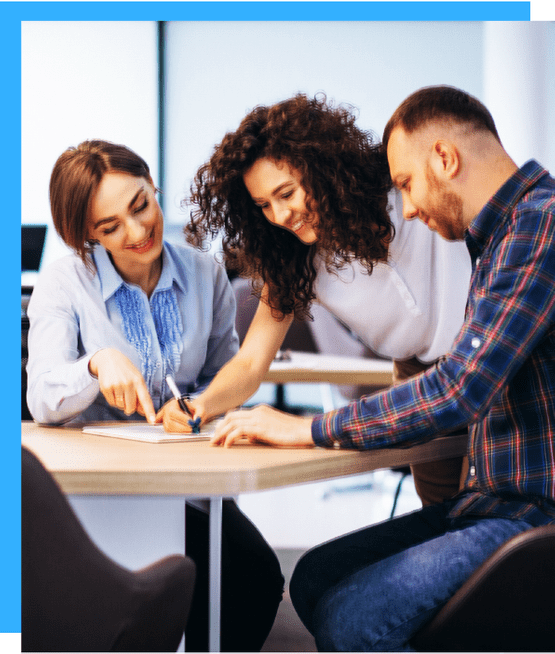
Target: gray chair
column 507, row 605
column 75, row 598
column 299, row 337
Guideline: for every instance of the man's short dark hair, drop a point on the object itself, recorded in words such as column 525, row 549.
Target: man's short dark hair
column 439, row 103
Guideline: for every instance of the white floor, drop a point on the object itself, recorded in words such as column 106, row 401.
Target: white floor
column 303, row 516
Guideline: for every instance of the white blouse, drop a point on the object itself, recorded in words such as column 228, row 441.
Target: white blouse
column 411, row 306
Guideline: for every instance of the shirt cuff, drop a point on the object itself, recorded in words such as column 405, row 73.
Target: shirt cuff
column 326, row 429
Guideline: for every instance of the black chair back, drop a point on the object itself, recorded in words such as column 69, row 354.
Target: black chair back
column 507, row 605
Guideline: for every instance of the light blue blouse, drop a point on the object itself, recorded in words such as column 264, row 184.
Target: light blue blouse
column 187, row 329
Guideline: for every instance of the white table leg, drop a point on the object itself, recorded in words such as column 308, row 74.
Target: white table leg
column 215, row 569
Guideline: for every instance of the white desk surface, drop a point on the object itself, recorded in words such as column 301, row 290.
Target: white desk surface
column 85, row 464
column 331, row 369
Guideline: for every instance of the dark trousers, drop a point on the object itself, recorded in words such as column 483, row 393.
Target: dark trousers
column 252, row 583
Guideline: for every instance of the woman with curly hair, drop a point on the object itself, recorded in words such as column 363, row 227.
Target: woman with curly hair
column 305, row 166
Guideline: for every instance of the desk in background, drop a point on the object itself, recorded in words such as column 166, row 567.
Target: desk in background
column 307, row 367
column 85, row 464
column 328, row 370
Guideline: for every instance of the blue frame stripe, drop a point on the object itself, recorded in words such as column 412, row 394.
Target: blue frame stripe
column 297, row 11
column 10, row 330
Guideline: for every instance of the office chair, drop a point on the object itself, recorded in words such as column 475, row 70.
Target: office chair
column 75, row 598
column 507, row 605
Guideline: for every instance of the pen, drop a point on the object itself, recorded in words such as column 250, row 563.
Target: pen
column 195, row 424
column 173, row 388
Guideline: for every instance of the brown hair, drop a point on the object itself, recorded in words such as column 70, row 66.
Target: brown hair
column 343, row 173
column 75, row 178
column 439, row 103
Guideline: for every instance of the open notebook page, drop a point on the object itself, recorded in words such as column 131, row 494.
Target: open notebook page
column 149, row 433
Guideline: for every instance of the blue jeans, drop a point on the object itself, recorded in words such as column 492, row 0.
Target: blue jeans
column 373, row 589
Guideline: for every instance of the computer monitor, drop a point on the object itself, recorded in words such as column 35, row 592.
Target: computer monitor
column 33, row 238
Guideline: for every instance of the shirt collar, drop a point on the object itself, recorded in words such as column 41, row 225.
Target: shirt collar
column 111, row 280
column 500, row 206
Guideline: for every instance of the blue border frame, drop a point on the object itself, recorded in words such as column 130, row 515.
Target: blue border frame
column 11, row 15
column 342, row 10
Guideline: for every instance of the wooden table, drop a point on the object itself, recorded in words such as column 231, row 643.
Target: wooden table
column 84, row 464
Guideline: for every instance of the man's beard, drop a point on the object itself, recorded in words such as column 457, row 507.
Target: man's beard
column 445, row 209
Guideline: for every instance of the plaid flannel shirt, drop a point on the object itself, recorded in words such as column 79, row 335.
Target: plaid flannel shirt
column 499, row 377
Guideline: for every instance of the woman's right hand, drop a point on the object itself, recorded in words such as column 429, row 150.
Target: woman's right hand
column 121, row 383
column 177, row 421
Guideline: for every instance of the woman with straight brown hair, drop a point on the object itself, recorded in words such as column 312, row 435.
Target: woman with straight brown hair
column 109, row 322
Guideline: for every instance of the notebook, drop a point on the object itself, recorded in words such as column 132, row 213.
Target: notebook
column 149, row 433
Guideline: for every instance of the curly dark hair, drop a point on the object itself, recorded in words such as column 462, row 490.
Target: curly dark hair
column 344, row 174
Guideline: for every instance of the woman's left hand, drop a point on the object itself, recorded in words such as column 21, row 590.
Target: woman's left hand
column 262, row 424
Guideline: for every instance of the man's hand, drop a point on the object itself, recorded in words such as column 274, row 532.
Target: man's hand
column 121, row 383
column 263, row 424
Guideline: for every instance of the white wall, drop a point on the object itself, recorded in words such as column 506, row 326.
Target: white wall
column 519, row 87
column 217, row 71
column 82, row 80
column 99, row 80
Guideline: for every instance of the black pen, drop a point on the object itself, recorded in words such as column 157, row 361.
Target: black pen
column 182, row 404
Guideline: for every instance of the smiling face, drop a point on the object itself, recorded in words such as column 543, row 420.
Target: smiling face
column 126, row 219
column 424, row 195
column 276, row 188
